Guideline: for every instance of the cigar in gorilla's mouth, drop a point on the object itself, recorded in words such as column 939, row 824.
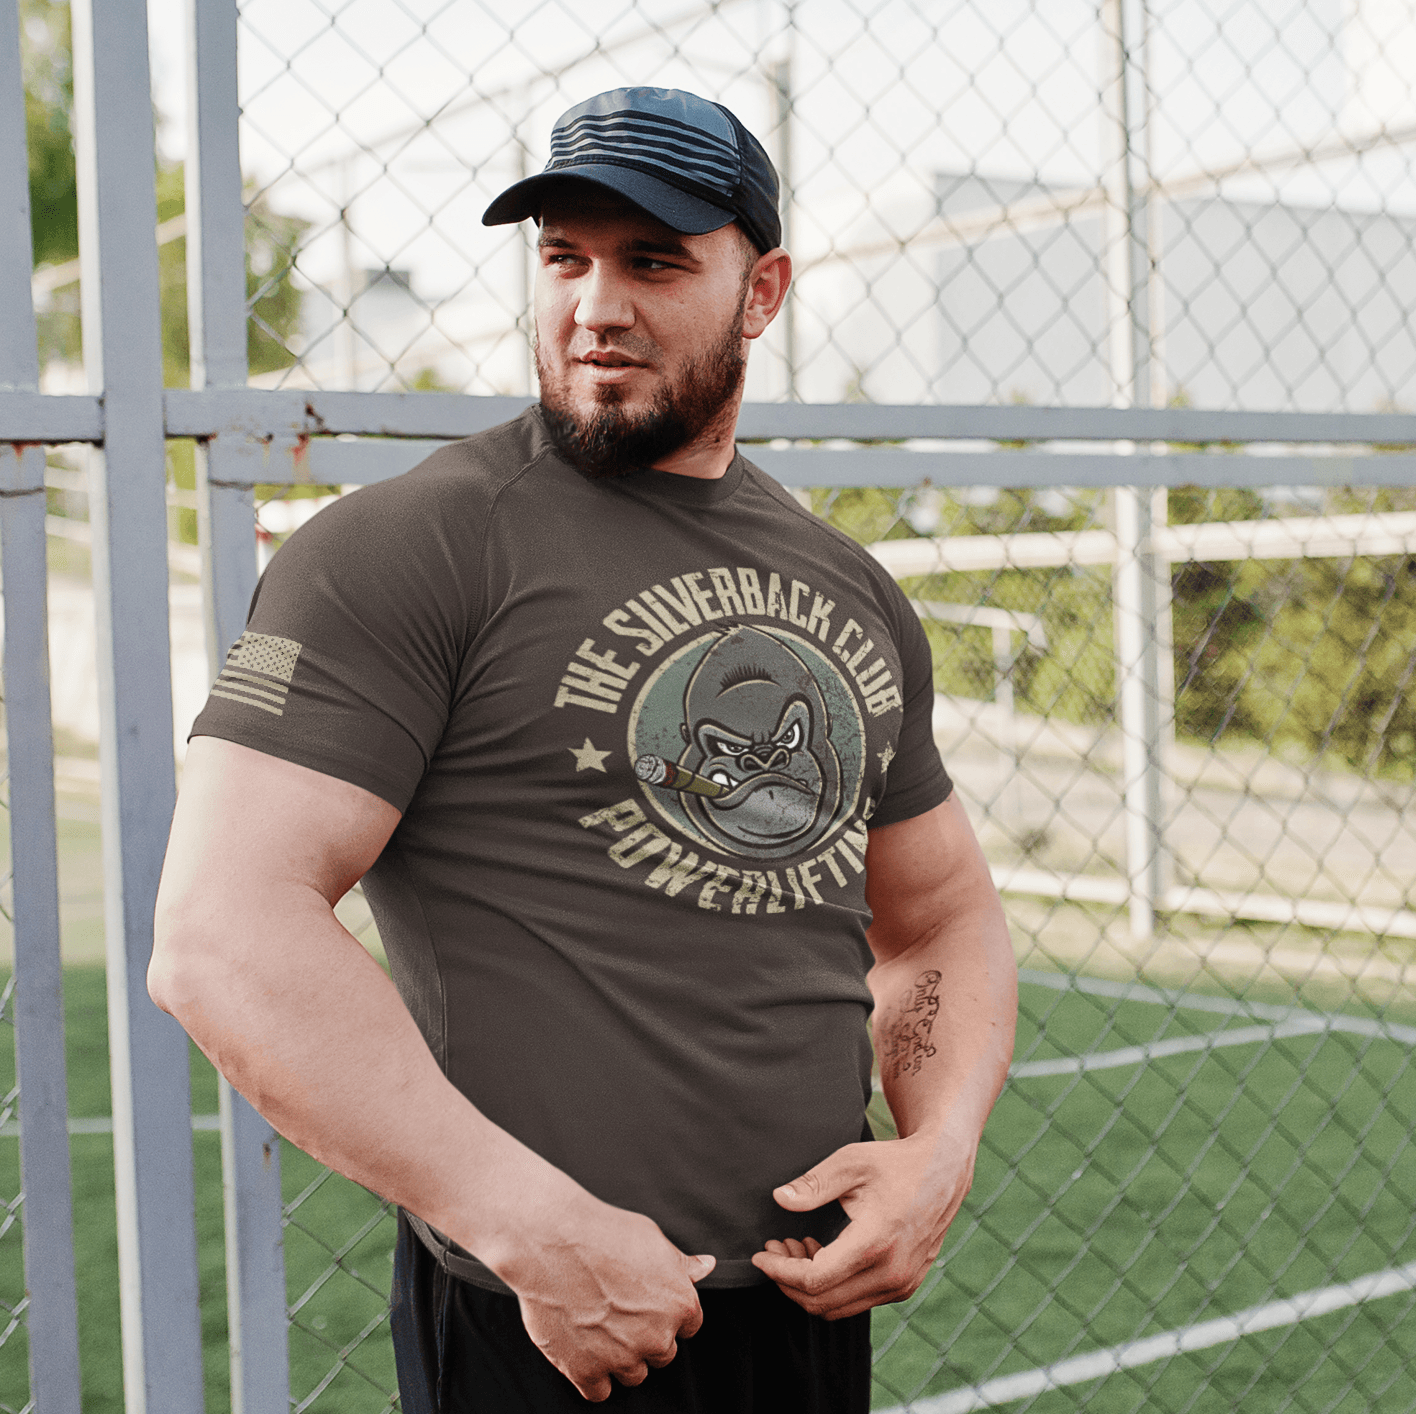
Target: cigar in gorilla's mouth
column 656, row 771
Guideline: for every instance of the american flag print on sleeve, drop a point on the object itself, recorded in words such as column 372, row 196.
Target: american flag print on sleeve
column 258, row 671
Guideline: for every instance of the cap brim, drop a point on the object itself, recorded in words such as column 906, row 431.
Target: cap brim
column 676, row 209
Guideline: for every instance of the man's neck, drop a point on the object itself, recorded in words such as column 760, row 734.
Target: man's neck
column 711, row 453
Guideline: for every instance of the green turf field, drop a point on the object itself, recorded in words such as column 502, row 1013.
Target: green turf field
column 338, row 1247
column 1108, row 1205
column 1125, row 1202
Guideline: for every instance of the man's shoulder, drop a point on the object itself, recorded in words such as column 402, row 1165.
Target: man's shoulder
column 457, row 485
column 477, row 467
column 807, row 523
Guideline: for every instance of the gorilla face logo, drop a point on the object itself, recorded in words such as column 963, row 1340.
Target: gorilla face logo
column 757, row 727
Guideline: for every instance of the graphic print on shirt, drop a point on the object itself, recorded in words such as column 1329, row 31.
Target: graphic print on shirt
column 748, row 740
column 741, row 699
column 259, row 668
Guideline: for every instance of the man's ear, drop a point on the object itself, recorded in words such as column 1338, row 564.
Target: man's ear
column 767, row 286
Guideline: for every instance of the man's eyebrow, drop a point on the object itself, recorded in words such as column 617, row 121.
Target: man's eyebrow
column 644, row 245
column 663, row 246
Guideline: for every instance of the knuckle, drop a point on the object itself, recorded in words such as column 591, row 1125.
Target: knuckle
column 634, row 1374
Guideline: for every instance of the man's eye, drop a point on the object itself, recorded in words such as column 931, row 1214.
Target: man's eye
column 791, row 738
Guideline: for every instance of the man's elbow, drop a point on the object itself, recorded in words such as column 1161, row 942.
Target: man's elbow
column 185, row 956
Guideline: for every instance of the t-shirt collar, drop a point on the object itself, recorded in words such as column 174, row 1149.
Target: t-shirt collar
column 672, row 486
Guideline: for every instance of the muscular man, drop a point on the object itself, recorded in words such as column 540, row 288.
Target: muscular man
column 634, row 758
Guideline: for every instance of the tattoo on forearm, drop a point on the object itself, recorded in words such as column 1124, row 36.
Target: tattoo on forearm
column 904, row 1038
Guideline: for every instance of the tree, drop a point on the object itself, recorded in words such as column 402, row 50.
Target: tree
column 49, row 101
column 272, row 239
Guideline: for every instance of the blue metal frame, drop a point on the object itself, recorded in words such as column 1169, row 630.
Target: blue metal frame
column 52, row 1316
column 252, row 436
column 148, row 1050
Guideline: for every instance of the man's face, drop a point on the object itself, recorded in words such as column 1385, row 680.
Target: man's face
column 639, row 331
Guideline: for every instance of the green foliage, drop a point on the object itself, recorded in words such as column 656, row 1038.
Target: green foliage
column 1189, row 505
column 272, row 240
column 865, row 513
column 1074, row 678
column 1318, row 655
column 49, row 100
column 271, row 243
column 428, row 380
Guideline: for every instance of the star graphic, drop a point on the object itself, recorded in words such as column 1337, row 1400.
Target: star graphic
column 587, row 758
column 886, row 757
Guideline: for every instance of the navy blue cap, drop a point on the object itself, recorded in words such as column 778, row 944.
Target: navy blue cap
column 684, row 160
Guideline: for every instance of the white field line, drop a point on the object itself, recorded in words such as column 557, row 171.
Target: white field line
column 1223, row 1006
column 1174, row 1046
column 1097, row 1364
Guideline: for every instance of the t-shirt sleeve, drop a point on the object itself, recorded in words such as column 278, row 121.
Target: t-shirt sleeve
column 351, row 651
column 916, row 781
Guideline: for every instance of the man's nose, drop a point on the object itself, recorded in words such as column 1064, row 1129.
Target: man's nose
column 604, row 303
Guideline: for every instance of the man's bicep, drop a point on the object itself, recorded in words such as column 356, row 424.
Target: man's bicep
column 247, row 821
column 921, row 873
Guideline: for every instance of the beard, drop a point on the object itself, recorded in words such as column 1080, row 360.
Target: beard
column 609, row 440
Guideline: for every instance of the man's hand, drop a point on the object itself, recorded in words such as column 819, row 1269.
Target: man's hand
column 945, row 988
column 900, row 1196
column 266, row 980
column 612, row 1300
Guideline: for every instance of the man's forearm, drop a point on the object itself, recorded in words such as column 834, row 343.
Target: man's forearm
column 945, row 986
column 945, row 1011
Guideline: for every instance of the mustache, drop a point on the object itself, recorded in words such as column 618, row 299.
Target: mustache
column 631, row 346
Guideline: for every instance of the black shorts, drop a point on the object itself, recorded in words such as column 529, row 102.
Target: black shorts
column 463, row 1350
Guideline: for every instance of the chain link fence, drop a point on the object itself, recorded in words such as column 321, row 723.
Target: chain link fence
column 950, row 189
column 1198, row 1189
column 1229, row 1131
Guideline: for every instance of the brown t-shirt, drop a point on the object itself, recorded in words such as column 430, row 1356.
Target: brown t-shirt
column 636, row 728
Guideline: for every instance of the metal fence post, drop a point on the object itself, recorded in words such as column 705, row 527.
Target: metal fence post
column 780, row 75
column 216, row 315
column 152, row 1138
column 1136, row 603
column 48, row 1220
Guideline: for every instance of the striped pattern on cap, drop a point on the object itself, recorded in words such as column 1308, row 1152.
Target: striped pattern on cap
column 685, row 155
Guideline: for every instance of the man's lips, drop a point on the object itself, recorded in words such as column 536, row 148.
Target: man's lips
column 609, row 364
column 608, row 361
